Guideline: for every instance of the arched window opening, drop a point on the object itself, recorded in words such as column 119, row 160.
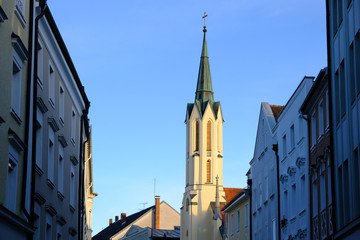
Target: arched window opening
column 208, row 134
column 197, row 136
column 208, row 167
column 187, row 204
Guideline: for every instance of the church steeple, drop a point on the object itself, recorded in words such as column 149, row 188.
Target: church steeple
column 204, row 90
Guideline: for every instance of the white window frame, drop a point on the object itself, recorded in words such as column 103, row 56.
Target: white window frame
column 20, row 11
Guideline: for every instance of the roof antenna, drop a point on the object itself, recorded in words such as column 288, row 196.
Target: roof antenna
column 144, row 203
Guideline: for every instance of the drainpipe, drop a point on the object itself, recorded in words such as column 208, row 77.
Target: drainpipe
column 43, row 6
column 332, row 162
column 27, row 115
column 275, row 148
column 83, row 123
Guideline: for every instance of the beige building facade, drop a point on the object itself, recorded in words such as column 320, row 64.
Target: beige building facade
column 15, row 29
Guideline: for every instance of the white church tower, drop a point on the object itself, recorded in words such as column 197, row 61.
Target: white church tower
column 200, row 212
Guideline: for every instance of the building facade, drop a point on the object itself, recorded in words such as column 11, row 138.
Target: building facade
column 200, row 212
column 316, row 110
column 291, row 134
column 237, row 217
column 263, row 168
column 61, row 129
column 15, row 166
column 343, row 33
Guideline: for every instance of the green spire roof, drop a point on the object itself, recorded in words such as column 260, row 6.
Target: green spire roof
column 204, row 90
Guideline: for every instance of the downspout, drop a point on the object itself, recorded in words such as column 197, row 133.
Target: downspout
column 43, row 6
column 81, row 175
column 249, row 182
column 332, row 163
column 27, row 114
column 275, row 148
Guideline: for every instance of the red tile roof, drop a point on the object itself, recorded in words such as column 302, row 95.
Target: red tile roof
column 230, row 193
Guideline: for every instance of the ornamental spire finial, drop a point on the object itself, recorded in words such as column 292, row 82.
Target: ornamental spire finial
column 204, row 17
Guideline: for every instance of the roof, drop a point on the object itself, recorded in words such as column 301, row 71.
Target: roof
column 117, row 226
column 239, row 195
column 276, row 109
column 162, row 233
column 230, row 193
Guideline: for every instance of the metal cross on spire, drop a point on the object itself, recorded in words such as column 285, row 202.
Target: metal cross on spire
column 204, row 17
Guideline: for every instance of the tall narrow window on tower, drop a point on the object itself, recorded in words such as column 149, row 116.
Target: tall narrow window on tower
column 197, row 136
column 208, row 167
column 208, row 135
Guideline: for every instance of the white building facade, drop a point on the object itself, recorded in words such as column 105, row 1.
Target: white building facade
column 263, row 168
column 292, row 138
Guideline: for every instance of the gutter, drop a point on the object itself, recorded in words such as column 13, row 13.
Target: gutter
column 27, row 115
column 43, row 6
column 275, row 148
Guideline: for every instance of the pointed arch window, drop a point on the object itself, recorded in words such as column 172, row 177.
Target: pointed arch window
column 208, row 167
column 208, row 136
column 197, row 136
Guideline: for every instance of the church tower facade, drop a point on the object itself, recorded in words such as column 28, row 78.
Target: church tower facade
column 200, row 212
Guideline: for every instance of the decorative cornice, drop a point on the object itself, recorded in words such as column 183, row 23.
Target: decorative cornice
column 50, row 209
column 291, row 171
column 15, row 141
column 63, row 141
column 284, row 178
column 72, row 231
column 19, row 47
column 300, row 161
column 1, row 121
column 60, row 195
column 53, row 124
column 74, row 160
column 42, row 106
column 3, row 16
column 61, row 220
column 39, row 198
column 50, row 183
column 38, row 170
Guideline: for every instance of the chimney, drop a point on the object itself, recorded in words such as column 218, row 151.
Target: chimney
column 110, row 221
column 116, row 218
column 123, row 217
column 157, row 213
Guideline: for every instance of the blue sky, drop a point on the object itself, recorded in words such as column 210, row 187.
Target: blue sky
column 139, row 60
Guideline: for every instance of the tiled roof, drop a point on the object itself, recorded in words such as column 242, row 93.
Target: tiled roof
column 163, row 233
column 117, row 226
column 230, row 193
column 276, row 109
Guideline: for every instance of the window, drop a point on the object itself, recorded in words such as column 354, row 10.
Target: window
column 322, row 192
column 356, row 183
column 232, row 224
column 339, row 198
column 246, row 222
column 352, row 73
column 208, row 136
column 293, row 201
column 292, row 137
column 346, row 192
column 313, row 128
column 327, row 110
column 286, row 203
column 266, row 187
column 274, row 229
column 61, row 169
column 40, row 63
column 284, row 145
column 73, row 126
column 187, row 204
column 61, row 104
column 39, row 138
column 303, row 192
column 48, row 227
column 321, row 118
column 59, row 232
column 20, row 10
column 72, row 187
column 238, row 220
column 51, row 85
column 337, row 96
column 357, row 61
column 315, row 196
column 16, row 88
column 11, row 181
column 197, row 135
column 208, row 171
column 51, row 156
column 342, row 89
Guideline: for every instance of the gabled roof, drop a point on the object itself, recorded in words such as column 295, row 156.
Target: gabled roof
column 276, row 109
column 238, row 196
column 165, row 234
column 202, row 106
column 117, row 226
column 230, row 193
